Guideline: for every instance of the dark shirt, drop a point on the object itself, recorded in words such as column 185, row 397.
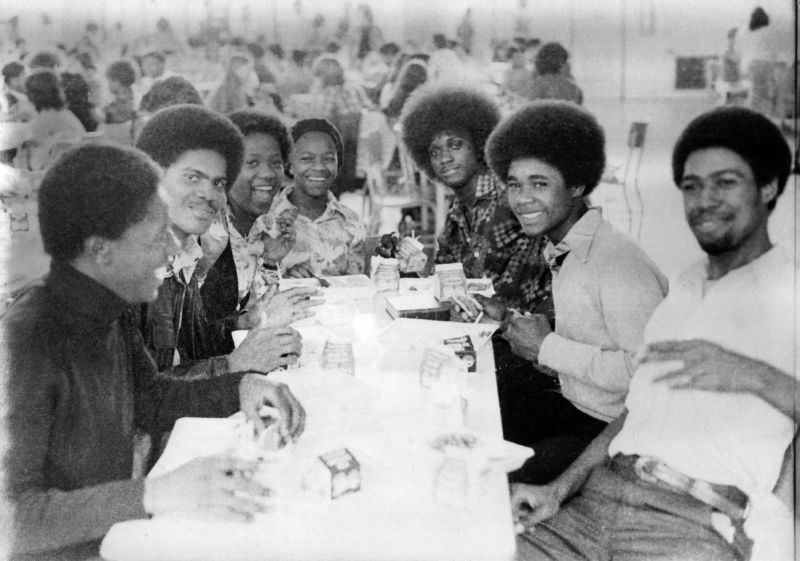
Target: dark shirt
column 554, row 86
column 78, row 381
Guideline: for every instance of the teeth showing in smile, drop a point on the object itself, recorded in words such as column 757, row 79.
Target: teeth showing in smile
column 531, row 216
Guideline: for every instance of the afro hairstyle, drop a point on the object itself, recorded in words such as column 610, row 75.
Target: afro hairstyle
column 175, row 130
column 435, row 108
column 751, row 135
column 122, row 71
column 559, row 133
column 95, row 189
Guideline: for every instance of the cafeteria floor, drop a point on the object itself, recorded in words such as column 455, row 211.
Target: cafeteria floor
column 664, row 234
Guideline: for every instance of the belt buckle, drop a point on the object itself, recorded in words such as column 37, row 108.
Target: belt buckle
column 643, row 467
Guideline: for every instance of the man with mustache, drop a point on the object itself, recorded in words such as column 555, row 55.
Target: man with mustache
column 550, row 155
column 201, row 152
column 330, row 236
column 688, row 470
column 77, row 379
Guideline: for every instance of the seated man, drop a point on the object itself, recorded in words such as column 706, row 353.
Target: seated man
column 77, row 378
column 330, row 237
column 551, row 155
column 709, row 414
column 201, row 153
column 445, row 129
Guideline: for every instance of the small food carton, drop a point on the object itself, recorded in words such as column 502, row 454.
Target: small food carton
column 333, row 475
column 451, row 280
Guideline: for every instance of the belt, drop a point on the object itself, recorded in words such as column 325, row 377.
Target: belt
column 727, row 499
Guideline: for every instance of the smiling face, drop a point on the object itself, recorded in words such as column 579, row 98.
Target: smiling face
column 724, row 207
column 134, row 263
column 195, row 190
column 262, row 174
column 453, row 158
column 540, row 198
column 314, row 164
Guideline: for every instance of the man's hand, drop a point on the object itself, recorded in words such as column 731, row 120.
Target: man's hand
column 264, row 350
column 526, row 333
column 256, row 390
column 216, row 486
column 530, row 504
column 706, row 366
column 493, row 307
column 280, row 309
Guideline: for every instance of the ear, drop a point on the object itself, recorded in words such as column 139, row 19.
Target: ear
column 769, row 192
column 97, row 249
column 576, row 191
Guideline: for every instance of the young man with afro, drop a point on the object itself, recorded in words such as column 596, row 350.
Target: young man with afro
column 550, row 155
column 692, row 466
column 445, row 128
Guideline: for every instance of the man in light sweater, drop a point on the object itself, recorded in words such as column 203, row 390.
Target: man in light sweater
column 550, row 155
column 688, row 470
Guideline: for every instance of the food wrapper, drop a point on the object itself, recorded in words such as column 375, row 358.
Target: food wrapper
column 451, row 280
column 333, row 475
column 338, row 355
column 464, row 350
column 433, row 360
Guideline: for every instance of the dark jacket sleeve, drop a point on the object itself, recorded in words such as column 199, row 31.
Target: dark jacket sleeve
column 49, row 518
column 203, row 388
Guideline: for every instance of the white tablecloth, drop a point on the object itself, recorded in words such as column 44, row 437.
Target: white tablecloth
column 382, row 416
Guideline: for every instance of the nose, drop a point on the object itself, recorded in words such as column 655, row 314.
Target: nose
column 265, row 171
column 709, row 195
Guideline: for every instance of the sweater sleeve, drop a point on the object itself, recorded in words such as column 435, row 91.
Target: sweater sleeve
column 629, row 291
column 48, row 518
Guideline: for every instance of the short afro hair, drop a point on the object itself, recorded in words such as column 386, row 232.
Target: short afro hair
column 252, row 121
column 435, row 108
column 559, row 133
column 174, row 90
column 46, row 60
column 324, row 126
column 12, row 70
column 94, row 189
column 175, row 130
column 122, row 71
column 749, row 134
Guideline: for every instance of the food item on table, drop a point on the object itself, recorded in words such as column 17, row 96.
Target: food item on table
column 464, row 350
column 333, row 475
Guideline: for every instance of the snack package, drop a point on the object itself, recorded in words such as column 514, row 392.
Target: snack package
column 433, row 360
column 451, row 280
column 464, row 350
column 333, row 475
column 338, row 355
column 385, row 274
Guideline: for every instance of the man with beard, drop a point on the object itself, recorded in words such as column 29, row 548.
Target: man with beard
column 688, row 470
column 329, row 235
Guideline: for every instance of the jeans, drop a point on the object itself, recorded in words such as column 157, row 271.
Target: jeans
column 617, row 517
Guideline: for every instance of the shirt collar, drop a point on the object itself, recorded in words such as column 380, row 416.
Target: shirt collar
column 82, row 295
column 332, row 206
column 486, row 186
column 186, row 259
column 580, row 237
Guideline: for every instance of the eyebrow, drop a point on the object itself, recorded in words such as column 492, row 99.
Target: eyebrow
column 735, row 171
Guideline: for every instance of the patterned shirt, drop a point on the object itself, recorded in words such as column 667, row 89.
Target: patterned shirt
column 488, row 239
column 248, row 256
column 331, row 244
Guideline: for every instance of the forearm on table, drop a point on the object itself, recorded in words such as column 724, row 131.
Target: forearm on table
column 608, row 369
column 570, row 481
column 52, row 519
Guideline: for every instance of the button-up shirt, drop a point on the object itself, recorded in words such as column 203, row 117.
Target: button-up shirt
column 77, row 381
column 332, row 244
